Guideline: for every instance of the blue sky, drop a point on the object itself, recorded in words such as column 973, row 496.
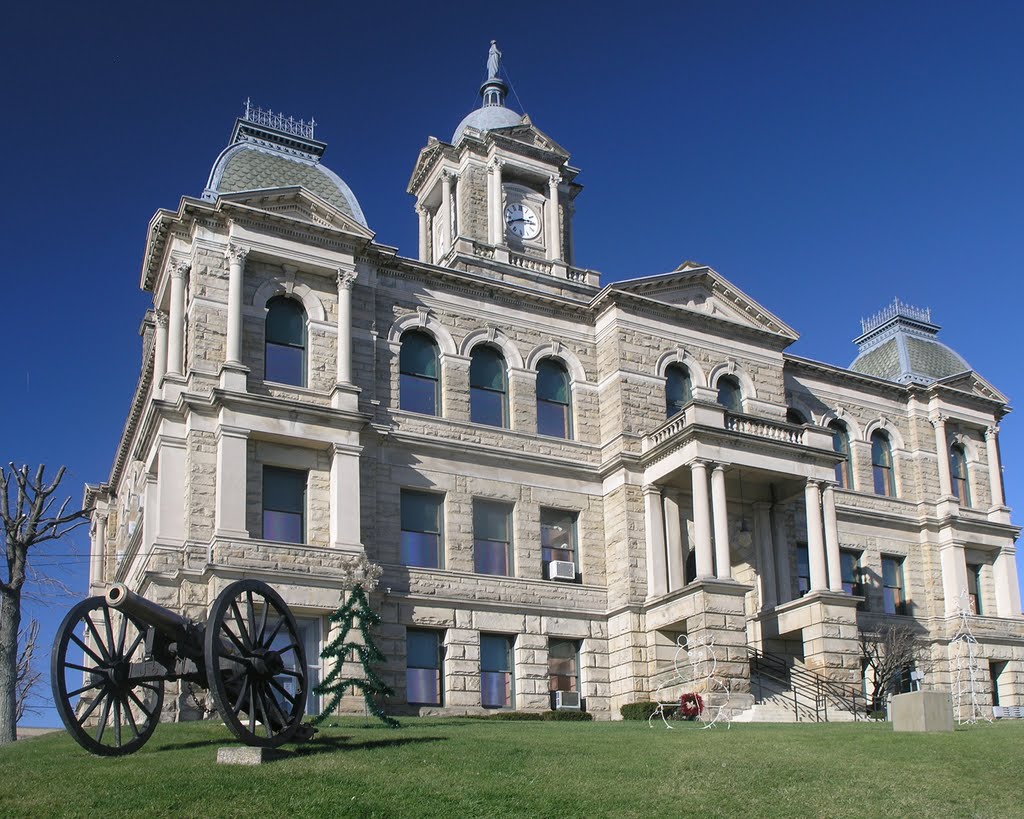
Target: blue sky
column 824, row 157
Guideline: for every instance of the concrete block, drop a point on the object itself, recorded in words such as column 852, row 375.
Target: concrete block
column 922, row 711
column 247, row 755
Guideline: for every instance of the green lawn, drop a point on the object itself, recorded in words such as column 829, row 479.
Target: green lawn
column 463, row 768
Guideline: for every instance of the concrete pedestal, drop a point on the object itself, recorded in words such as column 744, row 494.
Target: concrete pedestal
column 922, row 711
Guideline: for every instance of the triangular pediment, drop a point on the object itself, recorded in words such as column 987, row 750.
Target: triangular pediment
column 701, row 289
column 299, row 204
column 530, row 134
column 974, row 384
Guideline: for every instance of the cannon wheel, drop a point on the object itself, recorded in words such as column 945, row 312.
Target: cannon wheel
column 110, row 699
column 256, row 664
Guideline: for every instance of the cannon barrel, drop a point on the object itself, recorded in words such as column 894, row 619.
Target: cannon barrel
column 175, row 627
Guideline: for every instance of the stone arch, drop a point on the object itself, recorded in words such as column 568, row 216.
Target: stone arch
column 889, row 428
column 730, row 367
column 423, row 320
column 853, row 429
column 681, row 356
column 970, row 447
column 297, row 290
column 560, row 352
column 494, row 336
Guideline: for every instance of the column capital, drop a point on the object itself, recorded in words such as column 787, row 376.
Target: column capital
column 346, row 278
column 651, row 489
column 938, row 420
column 718, row 468
column 449, row 175
column 991, row 431
column 161, row 319
column 180, row 267
column 497, row 163
column 236, row 253
column 814, row 482
column 554, row 180
column 421, row 210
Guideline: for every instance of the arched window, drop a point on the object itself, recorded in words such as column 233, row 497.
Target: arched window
column 678, row 389
column 729, row 394
column 841, row 444
column 285, row 344
column 794, row 416
column 958, row 471
column 881, row 464
column 488, row 387
column 553, row 393
column 419, row 385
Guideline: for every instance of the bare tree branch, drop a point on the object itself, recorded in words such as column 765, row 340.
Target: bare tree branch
column 889, row 652
column 28, row 676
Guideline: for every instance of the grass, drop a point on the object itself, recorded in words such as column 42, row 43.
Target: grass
column 467, row 768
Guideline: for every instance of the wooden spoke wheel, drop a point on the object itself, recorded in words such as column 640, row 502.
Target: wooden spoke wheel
column 106, row 693
column 256, row 664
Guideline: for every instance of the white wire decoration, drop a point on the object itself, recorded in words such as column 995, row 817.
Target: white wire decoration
column 966, row 671
column 696, row 673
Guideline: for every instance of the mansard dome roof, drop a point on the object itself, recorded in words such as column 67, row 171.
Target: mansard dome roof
column 270, row 151
column 488, row 118
column 900, row 344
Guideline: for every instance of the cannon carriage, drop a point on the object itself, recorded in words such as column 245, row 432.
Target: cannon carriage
column 248, row 655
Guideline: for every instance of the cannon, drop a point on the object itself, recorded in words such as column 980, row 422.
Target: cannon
column 113, row 654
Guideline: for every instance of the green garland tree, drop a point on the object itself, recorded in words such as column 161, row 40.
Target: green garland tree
column 334, row 684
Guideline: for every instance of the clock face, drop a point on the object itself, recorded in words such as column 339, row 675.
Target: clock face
column 521, row 221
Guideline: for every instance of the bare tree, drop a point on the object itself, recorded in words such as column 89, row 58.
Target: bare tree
column 28, row 675
column 889, row 652
column 26, row 510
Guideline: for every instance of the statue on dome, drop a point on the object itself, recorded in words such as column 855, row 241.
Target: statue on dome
column 493, row 61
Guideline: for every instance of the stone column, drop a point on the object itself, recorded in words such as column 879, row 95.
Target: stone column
column 99, row 549
column 780, row 544
column 446, row 210
column 229, row 507
column 674, row 541
column 942, row 452
column 346, row 279
column 815, row 539
column 176, row 327
column 160, row 353
column 723, row 565
column 554, row 239
column 657, row 577
column 236, row 268
column 421, row 213
column 765, row 554
column 457, row 210
column 995, row 472
column 1007, row 590
column 497, row 220
column 702, row 520
column 835, row 566
column 345, row 520
column 954, row 575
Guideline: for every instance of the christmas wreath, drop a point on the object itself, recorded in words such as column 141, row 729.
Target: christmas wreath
column 691, row 706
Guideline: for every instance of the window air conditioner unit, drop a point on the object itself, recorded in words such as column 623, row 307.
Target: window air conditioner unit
column 567, row 701
column 562, row 570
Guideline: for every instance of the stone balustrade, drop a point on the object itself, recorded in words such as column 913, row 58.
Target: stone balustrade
column 763, row 428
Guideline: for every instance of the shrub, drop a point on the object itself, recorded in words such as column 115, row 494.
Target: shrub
column 638, row 710
column 516, row 716
column 567, row 716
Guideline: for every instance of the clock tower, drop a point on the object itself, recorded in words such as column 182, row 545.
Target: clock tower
column 500, row 193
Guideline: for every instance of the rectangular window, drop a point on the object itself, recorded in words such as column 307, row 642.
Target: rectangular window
column 424, row 675
column 563, row 665
column 284, row 504
column 558, row 538
column 492, row 537
column 421, row 529
column 851, row 572
column 974, row 588
column 893, row 589
column 496, row 680
column 803, row 570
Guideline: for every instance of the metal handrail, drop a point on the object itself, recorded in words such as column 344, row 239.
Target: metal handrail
column 820, row 689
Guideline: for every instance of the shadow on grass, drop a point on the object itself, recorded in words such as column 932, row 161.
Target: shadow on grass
column 330, row 744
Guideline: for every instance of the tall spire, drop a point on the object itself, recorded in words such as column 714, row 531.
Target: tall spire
column 494, row 88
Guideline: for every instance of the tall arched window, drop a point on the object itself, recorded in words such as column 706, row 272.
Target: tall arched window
column 881, row 464
column 553, row 394
column 488, row 387
column 729, row 394
column 419, row 385
column 958, row 472
column 678, row 389
column 285, row 342
column 841, row 444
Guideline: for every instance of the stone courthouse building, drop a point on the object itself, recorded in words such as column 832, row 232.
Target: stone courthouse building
column 559, row 476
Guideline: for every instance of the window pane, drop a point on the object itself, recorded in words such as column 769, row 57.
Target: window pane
column 491, row 520
column 495, row 653
column 552, row 382
column 418, row 394
column 420, row 511
column 552, row 419
column 286, row 322
column 495, row 689
column 285, row 365
column 729, row 394
column 803, row 571
column 487, row 369
column 491, row 557
column 423, row 686
column 283, row 526
column 420, row 549
column 678, row 390
column 284, row 490
column 557, row 535
column 889, row 572
column 418, row 355
column 562, row 672
column 423, row 649
column 487, row 407
column 890, row 601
